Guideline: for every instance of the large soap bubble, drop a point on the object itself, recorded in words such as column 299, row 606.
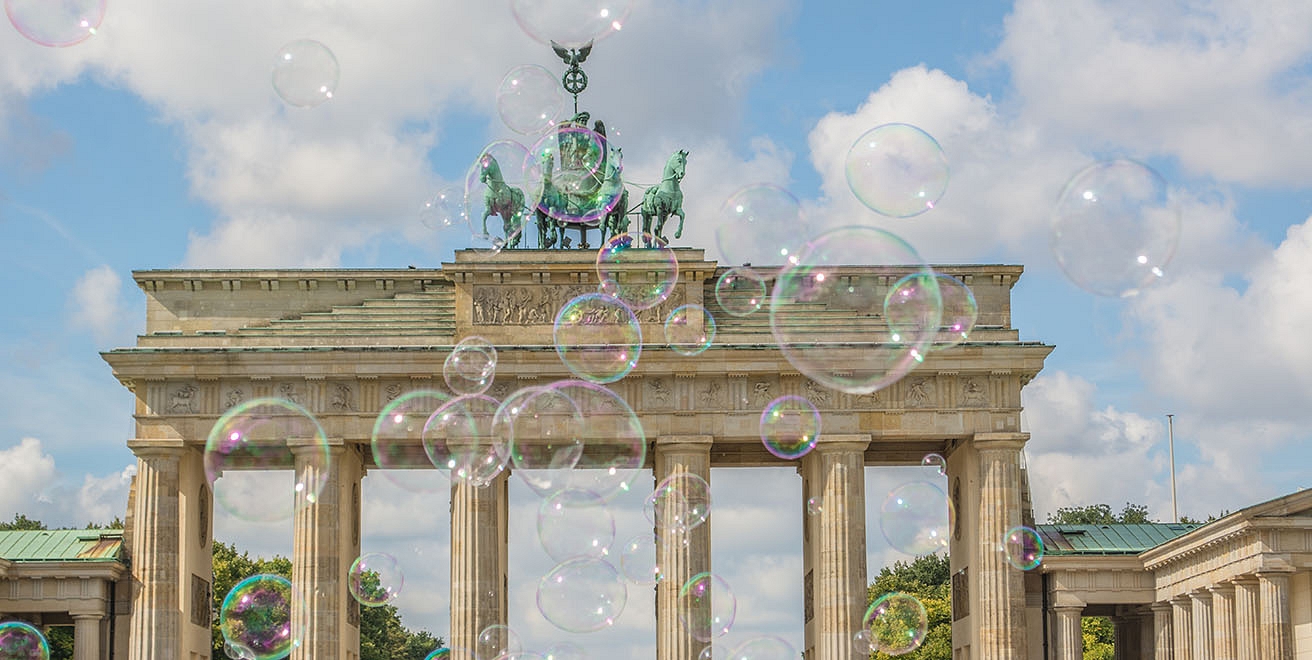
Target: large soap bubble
column 570, row 23
column 640, row 277
column 56, row 23
column 1115, row 228
column 305, row 73
column 575, row 523
column 706, row 607
column 397, row 442
column 832, row 279
column 598, row 337
column 614, row 442
column 471, row 366
column 257, row 437
column 542, row 432
column 680, row 502
column 897, row 623
column 529, row 99
column 497, row 640
column 375, row 579
column 582, row 595
column 761, row 222
column 460, row 439
column 790, row 427
column 22, row 641
column 256, row 617
column 897, row 170
column 916, row 518
column 740, row 291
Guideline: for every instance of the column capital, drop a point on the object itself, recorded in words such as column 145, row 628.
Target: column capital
column 857, row 442
column 1200, row 594
column 1000, row 441
column 1275, row 573
column 690, row 442
column 1222, row 588
column 306, row 445
column 1160, row 606
column 1246, row 580
column 1067, row 609
column 157, row 447
column 84, row 616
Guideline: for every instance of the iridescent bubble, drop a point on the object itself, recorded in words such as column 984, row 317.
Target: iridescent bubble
column 257, row 437
column 897, row 170
column 256, row 616
column 22, row 641
column 765, row 647
column 913, row 310
column 56, row 24
column 582, row 595
column 497, row 640
column 689, row 330
column 823, row 285
column 1115, row 228
column 237, row 652
column 471, row 366
column 521, row 655
column 959, row 312
column 815, row 505
column 496, row 186
column 570, row 23
column 452, row 653
column 614, row 442
column 897, row 623
column 638, row 561
column 861, row 643
column 916, row 518
column 542, row 431
column 375, row 579
column 706, row 607
column 714, row 651
column 564, row 651
column 305, row 73
column 641, row 277
column 444, row 210
column 761, row 221
column 460, row 439
column 397, row 442
column 577, row 177
column 1023, row 548
column 935, row 461
column 740, row 291
column 679, row 503
column 529, row 99
column 790, row 427
column 575, row 523
column 598, row 337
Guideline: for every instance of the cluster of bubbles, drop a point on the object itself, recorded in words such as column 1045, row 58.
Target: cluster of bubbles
column 22, row 641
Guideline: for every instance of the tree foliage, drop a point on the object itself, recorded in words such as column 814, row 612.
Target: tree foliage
column 1099, row 638
column 21, row 523
column 1100, row 514
column 928, row 578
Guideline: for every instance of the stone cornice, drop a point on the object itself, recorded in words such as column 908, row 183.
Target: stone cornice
column 67, row 570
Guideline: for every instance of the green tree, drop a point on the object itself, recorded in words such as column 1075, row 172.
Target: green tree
column 928, row 578
column 21, row 523
column 1099, row 514
column 61, row 642
column 1099, row 638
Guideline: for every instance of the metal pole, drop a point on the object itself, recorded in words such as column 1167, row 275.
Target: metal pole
column 1170, row 435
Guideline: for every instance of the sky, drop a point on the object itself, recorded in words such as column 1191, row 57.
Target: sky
column 160, row 143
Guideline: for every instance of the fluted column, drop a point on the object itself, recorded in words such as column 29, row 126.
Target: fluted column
column 1163, row 645
column 1277, row 629
column 1248, row 625
column 1146, row 633
column 325, row 616
column 1223, row 621
column 86, row 636
column 1000, row 604
column 478, row 558
column 1182, row 627
column 680, row 555
column 835, row 564
column 155, row 626
column 1202, row 616
column 1070, row 637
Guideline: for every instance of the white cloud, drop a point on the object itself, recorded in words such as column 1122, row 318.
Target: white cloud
column 31, row 484
column 95, row 303
column 25, row 473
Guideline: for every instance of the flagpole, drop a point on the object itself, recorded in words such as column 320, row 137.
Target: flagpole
column 1170, row 434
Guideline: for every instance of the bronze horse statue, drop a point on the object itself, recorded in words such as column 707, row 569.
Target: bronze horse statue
column 665, row 199
column 501, row 199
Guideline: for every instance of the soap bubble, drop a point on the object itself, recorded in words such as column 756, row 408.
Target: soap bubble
column 497, row 640
column 641, row 277
column 913, row 310
column 823, row 285
column 598, row 337
column 714, row 651
column 1023, row 548
column 452, row 653
column 740, row 291
column 570, row 23
column 959, row 312
column 790, row 427
column 56, row 23
column 765, row 647
column 564, row 651
column 582, row 595
column 935, row 461
column 761, row 221
column 1115, row 228
column 575, row 523
column 256, row 437
column 916, row 518
column 542, row 429
column 256, row 616
column 576, row 174
column 444, row 210
column 897, row 170
column 460, row 439
column 706, row 606
column 897, row 623
column 305, row 73
column 496, row 187
column 638, row 561
column 679, row 503
column 861, row 643
column 689, row 330
column 22, row 641
column 471, row 366
column 529, row 99
column 614, row 442
column 397, row 442
column 815, row 505
column 375, row 579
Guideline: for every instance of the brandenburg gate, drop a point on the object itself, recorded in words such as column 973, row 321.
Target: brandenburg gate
column 343, row 343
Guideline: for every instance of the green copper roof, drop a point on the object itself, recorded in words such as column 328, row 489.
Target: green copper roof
column 1108, row 539
column 62, row 545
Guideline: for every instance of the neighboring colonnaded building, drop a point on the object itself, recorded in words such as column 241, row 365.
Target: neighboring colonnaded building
column 343, row 343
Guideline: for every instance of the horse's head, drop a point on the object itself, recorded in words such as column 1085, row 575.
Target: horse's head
column 489, row 170
column 677, row 166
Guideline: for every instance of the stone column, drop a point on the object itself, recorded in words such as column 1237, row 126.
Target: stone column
column 1126, row 642
column 1000, row 605
column 1070, row 637
column 325, row 616
column 478, row 558
column 1146, row 634
column 835, row 565
column 680, row 555
column 1202, row 616
column 154, row 631
column 1223, row 621
column 1277, row 628
column 1182, row 627
column 1163, row 645
column 86, row 636
column 1248, row 626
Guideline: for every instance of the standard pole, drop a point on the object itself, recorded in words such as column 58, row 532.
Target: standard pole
column 1170, row 435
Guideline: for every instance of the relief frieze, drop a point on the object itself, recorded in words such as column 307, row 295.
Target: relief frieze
column 538, row 305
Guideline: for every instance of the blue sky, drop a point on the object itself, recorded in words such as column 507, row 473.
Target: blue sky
column 160, row 143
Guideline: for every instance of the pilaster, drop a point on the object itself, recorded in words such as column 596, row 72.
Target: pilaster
column 1182, row 627
column 835, row 564
column 1000, row 604
column 680, row 555
column 1276, row 627
column 1202, row 619
column 478, row 558
column 155, row 626
column 1248, row 625
column 1223, row 621
column 1070, row 637
column 1163, row 645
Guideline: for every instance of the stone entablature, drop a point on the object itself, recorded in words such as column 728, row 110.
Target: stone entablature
column 1081, row 580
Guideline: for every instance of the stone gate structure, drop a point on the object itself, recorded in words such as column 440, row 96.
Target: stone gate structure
column 343, row 343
